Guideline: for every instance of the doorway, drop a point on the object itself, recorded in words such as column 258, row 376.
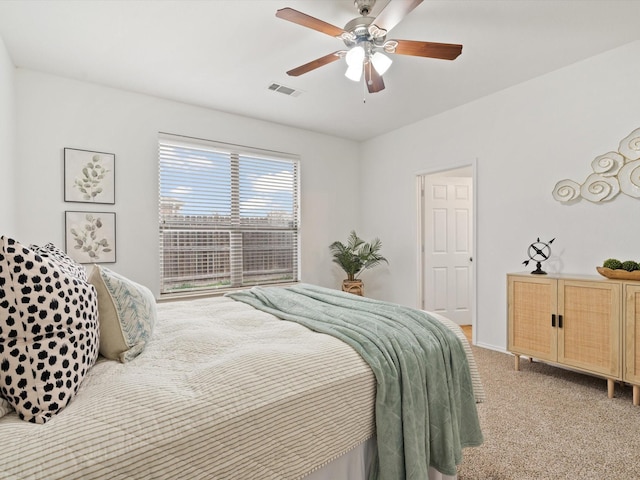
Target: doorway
column 446, row 244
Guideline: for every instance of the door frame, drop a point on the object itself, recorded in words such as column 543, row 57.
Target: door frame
column 474, row 234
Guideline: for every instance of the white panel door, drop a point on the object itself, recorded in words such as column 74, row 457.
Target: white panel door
column 447, row 236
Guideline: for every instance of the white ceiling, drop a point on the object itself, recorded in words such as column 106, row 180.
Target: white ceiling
column 223, row 54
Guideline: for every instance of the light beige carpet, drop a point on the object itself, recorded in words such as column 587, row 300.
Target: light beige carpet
column 544, row 422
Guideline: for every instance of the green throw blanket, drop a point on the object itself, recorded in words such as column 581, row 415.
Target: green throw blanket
column 425, row 408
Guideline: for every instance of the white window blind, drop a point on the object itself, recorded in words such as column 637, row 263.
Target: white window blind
column 228, row 216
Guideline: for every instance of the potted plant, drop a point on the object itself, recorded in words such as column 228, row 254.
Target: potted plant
column 355, row 257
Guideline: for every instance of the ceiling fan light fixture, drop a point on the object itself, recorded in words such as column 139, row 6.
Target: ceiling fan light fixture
column 381, row 62
column 354, row 72
column 355, row 57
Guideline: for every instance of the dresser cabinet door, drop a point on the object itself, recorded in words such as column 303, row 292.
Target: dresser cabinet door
column 632, row 335
column 589, row 329
column 532, row 304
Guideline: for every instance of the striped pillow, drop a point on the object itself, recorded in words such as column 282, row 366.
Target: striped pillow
column 127, row 314
column 5, row 407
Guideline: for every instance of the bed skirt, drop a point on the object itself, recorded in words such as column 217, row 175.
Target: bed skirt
column 354, row 465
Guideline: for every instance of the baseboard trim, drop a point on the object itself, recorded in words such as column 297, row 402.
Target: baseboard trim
column 490, row 347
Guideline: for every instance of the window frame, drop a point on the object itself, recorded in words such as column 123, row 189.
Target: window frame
column 287, row 235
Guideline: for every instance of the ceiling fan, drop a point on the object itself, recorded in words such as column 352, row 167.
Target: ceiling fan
column 366, row 40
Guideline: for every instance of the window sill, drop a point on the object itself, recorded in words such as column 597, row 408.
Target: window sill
column 174, row 297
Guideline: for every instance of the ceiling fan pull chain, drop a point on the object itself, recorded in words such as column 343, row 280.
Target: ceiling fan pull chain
column 364, row 89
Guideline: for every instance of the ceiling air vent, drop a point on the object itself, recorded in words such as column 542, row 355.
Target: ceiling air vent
column 276, row 87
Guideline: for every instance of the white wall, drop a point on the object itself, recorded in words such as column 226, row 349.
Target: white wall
column 53, row 113
column 7, row 143
column 525, row 139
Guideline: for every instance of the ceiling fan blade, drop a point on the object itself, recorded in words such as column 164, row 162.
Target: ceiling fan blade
column 308, row 21
column 312, row 65
column 444, row 51
column 394, row 12
column 373, row 79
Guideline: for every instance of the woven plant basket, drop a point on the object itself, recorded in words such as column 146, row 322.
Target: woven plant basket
column 353, row 286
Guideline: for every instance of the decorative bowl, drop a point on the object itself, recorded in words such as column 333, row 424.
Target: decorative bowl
column 619, row 274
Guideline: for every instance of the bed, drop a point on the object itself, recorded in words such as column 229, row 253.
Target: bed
column 215, row 388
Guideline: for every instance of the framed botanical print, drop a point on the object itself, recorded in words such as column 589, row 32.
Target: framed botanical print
column 90, row 237
column 89, row 177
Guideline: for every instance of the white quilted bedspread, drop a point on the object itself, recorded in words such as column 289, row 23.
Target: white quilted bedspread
column 222, row 391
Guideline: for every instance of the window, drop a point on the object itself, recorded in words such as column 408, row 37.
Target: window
column 228, row 216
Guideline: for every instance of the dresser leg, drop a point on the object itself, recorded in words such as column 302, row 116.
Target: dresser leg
column 610, row 387
column 517, row 362
column 636, row 395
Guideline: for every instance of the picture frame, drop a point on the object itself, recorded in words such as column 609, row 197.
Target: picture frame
column 90, row 237
column 89, row 176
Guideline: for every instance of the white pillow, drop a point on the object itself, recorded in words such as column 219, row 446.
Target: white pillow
column 127, row 314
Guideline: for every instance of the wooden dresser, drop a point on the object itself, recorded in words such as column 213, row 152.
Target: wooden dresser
column 584, row 322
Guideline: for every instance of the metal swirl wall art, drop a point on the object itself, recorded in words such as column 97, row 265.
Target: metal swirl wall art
column 613, row 172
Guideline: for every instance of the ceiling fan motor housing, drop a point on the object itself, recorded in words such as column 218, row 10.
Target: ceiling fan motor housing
column 361, row 31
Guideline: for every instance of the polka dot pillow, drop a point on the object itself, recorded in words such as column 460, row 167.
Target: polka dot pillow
column 53, row 253
column 49, row 333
